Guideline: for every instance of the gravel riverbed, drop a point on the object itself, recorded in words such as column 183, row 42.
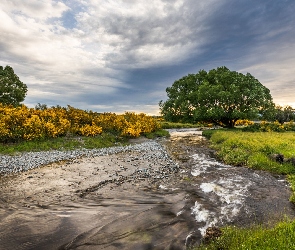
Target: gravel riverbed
column 31, row 160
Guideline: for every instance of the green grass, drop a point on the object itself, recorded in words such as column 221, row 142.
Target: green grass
column 158, row 133
column 280, row 237
column 72, row 142
column 253, row 149
column 63, row 143
column 168, row 125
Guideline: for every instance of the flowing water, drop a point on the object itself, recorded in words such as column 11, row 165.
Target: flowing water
column 76, row 206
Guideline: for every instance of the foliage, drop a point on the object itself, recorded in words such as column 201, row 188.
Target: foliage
column 280, row 236
column 157, row 133
column 181, row 98
column 23, row 123
column 271, row 127
column 12, row 90
column 220, row 96
column 284, row 114
column 243, row 123
column 291, row 180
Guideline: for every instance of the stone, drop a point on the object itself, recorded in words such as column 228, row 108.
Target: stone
column 277, row 157
column 212, row 233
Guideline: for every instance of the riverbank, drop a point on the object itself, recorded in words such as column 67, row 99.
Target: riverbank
column 268, row 151
column 152, row 194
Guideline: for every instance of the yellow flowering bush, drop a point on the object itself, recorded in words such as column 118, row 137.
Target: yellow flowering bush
column 90, row 130
column 33, row 128
column 243, row 123
column 28, row 123
column 4, row 131
column 265, row 126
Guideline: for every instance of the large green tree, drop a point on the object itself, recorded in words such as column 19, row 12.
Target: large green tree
column 12, row 90
column 220, row 96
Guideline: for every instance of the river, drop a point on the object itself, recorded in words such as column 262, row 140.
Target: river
column 163, row 194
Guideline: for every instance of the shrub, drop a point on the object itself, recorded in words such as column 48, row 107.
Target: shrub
column 24, row 123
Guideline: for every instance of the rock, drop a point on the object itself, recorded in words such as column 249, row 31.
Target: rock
column 277, row 157
column 211, row 234
column 291, row 160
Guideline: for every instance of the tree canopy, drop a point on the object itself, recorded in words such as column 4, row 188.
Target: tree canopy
column 220, row 96
column 12, row 90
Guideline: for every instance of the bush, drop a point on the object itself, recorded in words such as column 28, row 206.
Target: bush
column 271, row 127
column 24, row 123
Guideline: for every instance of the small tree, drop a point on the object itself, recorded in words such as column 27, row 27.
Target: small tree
column 220, row 96
column 12, row 90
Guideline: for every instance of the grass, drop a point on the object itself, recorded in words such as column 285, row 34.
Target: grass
column 281, row 237
column 168, row 125
column 253, row 149
column 72, row 142
column 250, row 149
column 63, row 143
column 158, row 133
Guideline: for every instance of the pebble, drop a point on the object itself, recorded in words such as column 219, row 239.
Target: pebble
column 30, row 160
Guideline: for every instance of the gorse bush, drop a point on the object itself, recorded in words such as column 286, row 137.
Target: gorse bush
column 243, row 123
column 271, row 127
column 23, row 123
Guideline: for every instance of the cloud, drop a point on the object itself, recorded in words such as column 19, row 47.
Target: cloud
column 125, row 52
column 138, row 34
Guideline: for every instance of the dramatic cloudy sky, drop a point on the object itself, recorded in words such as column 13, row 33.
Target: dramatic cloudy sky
column 120, row 55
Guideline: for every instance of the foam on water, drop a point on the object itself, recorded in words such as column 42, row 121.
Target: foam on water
column 229, row 193
column 203, row 162
column 204, row 215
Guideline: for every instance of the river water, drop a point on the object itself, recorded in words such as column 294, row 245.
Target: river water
column 130, row 201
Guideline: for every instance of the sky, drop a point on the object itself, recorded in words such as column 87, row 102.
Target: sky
column 121, row 55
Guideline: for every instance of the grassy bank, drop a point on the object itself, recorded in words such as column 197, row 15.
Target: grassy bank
column 169, row 125
column 72, row 142
column 63, row 143
column 256, row 150
column 281, row 236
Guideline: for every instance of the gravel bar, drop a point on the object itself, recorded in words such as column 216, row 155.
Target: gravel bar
column 30, row 160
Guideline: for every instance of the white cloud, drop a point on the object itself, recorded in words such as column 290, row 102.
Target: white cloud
column 49, row 51
column 41, row 10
